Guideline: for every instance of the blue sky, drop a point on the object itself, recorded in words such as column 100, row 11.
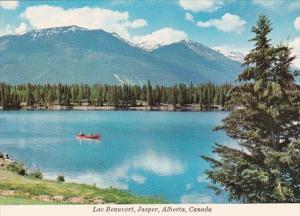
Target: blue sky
column 216, row 23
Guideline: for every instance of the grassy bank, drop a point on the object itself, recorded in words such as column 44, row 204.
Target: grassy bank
column 18, row 189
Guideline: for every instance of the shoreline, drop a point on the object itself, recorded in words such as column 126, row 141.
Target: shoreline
column 25, row 188
column 161, row 108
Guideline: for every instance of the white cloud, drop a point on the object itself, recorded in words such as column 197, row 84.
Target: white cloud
column 232, row 48
column 138, row 23
column 202, row 179
column 228, row 23
column 119, row 176
column 297, row 23
column 8, row 30
column 138, row 179
column 21, row 28
column 200, row 5
column 45, row 16
column 195, row 199
column 158, row 164
column 189, row 17
column 268, row 3
column 116, row 177
column 295, row 45
column 11, row 30
column 163, row 36
column 9, row 5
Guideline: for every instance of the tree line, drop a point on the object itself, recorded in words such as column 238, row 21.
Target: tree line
column 208, row 94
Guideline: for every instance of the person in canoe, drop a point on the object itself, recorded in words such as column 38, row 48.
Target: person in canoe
column 88, row 136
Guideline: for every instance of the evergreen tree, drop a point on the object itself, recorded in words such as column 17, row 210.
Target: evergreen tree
column 173, row 96
column 149, row 94
column 30, row 97
column 182, row 98
column 265, row 122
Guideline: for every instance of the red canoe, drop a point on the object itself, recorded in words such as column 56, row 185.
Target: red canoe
column 85, row 136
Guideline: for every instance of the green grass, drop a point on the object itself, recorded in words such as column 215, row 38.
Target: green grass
column 28, row 188
column 4, row 200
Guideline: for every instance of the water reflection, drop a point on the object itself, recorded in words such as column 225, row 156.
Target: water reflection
column 158, row 163
column 150, row 161
column 88, row 141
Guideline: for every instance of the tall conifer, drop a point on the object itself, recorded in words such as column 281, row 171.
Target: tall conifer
column 265, row 122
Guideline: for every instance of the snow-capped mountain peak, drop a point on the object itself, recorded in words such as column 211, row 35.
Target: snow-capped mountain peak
column 193, row 45
column 122, row 39
column 236, row 56
column 149, row 45
column 39, row 33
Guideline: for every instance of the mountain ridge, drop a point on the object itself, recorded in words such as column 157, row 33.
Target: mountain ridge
column 72, row 54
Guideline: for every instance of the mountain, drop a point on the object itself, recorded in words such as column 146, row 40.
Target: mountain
column 236, row 56
column 149, row 45
column 199, row 59
column 76, row 55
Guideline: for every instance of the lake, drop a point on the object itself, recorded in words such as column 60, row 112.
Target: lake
column 147, row 153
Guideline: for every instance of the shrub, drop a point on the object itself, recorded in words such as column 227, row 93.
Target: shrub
column 60, row 178
column 17, row 167
column 37, row 174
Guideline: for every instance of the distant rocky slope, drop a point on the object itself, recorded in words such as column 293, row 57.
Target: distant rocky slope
column 76, row 55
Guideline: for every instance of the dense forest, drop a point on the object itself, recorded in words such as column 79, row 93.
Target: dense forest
column 17, row 96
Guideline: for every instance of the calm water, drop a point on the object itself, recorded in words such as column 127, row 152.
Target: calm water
column 148, row 153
